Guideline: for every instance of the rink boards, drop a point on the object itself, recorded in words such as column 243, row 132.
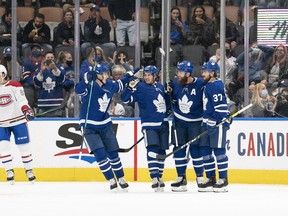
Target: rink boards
column 257, row 151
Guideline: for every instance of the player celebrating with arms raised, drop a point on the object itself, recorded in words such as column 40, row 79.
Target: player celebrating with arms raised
column 215, row 113
column 97, row 90
column 14, row 113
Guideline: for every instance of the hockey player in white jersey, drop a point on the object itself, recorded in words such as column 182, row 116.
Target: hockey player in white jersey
column 14, row 114
column 96, row 91
column 215, row 119
column 151, row 98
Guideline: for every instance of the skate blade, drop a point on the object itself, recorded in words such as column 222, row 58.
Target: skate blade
column 179, row 189
column 158, row 190
column 12, row 182
column 220, row 190
column 122, row 190
column 208, row 189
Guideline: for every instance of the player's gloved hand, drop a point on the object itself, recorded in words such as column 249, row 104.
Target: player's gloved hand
column 169, row 86
column 131, row 73
column 90, row 76
column 227, row 123
column 132, row 84
column 28, row 113
column 211, row 126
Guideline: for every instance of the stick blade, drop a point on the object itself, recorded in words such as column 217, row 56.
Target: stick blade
column 121, row 150
column 155, row 155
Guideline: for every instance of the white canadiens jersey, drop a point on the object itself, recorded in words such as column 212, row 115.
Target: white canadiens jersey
column 12, row 98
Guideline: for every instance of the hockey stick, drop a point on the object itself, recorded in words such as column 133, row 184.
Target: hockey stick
column 86, row 118
column 88, row 108
column 167, row 80
column 124, row 150
column 159, row 156
column 50, row 110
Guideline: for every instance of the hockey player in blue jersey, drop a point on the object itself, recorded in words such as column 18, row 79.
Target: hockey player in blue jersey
column 99, row 137
column 187, row 92
column 215, row 113
column 151, row 98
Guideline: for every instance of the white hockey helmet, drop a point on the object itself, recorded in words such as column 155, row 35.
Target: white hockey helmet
column 3, row 70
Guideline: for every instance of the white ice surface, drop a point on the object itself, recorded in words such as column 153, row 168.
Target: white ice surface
column 95, row 198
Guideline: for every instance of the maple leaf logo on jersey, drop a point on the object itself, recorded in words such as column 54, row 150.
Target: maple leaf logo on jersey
column 160, row 104
column 103, row 102
column 49, row 85
column 184, row 104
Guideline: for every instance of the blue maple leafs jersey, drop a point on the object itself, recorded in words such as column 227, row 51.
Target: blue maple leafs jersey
column 214, row 101
column 152, row 103
column 188, row 104
column 98, row 115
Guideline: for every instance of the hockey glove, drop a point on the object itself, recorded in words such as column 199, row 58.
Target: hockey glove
column 169, row 86
column 211, row 126
column 131, row 73
column 227, row 123
column 90, row 76
column 132, row 84
column 28, row 113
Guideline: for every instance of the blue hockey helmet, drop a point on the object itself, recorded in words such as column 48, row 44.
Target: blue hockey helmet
column 204, row 67
column 101, row 68
column 151, row 69
column 212, row 66
column 185, row 66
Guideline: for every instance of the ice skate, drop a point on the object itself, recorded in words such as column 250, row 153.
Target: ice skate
column 221, row 186
column 207, row 186
column 123, row 184
column 155, row 184
column 199, row 180
column 10, row 176
column 180, row 185
column 161, row 185
column 113, row 184
column 30, row 175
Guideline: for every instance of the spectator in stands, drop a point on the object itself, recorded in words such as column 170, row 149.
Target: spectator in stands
column 83, row 3
column 282, row 102
column 258, row 55
column 5, row 31
column 232, row 32
column 37, row 31
column 64, row 34
column 30, row 64
column 65, row 61
column 230, row 64
column 260, row 98
column 278, row 65
column 212, row 3
column 97, row 30
column 92, row 60
column 51, row 3
column 122, row 14
column 122, row 58
column 201, row 28
column 49, row 79
column 178, row 33
column 240, row 4
column 118, row 108
column 6, row 61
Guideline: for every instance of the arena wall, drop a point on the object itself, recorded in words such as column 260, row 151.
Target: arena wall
column 257, row 151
